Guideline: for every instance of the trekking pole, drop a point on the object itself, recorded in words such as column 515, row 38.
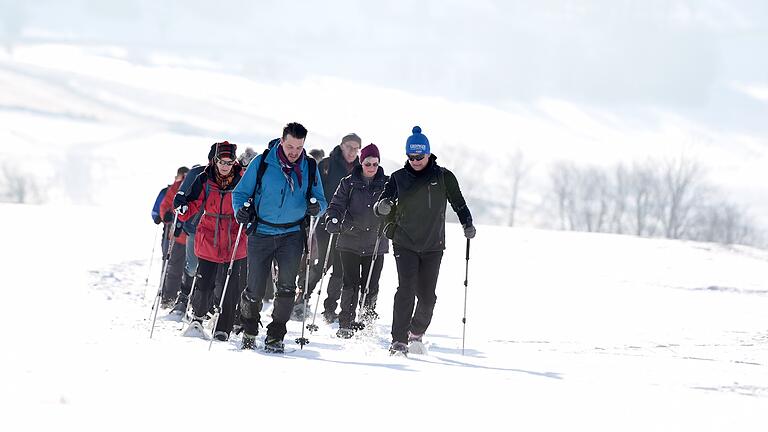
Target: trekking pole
column 151, row 258
column 358, row 324
column 312, row 225
column 464, row 318
column 158, row 297
column 189, row 297
column 226, row 281
column 313, row 327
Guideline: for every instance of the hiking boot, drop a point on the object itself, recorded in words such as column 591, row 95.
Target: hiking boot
column 273, row 345
column 221, row 336
column 415, row 337
column 330, row 317
column 398, row 348
column 299, row 312
column 369, row 315
column 181, row 305
column 166, row 302
column 249, row 341
column 345, row 333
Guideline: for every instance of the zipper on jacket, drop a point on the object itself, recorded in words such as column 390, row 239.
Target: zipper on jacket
column 429, row 195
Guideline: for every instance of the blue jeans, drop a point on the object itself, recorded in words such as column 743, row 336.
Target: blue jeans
column 191, row 264
column 286, row 249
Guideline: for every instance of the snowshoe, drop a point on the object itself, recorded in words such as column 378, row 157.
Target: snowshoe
column 345, row 333
column 398, row 349
column 274, row 345
column 221, row 336
column 416, row 345
column 249, row 341
column 330, row 317
column 370, row 315
column 299, row 312
column 195, row 329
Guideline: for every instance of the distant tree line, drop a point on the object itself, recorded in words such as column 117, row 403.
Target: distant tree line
column 655, row 198
column 18, row 187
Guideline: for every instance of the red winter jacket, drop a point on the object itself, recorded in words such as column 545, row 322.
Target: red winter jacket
column 217, row 230
column 167, row 206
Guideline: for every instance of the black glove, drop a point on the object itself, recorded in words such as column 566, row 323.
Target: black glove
column 383, row 207
column 156, row 219
column 244, row 215
column 333, row 226
column 313, row 208
column 179, row 200
column 469, row 231
column 168, row 217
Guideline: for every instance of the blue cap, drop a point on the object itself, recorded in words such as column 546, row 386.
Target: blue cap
column 417, row 143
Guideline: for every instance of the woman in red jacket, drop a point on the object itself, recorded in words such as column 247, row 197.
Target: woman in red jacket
column 211, row 197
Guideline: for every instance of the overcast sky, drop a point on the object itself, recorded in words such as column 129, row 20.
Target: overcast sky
column 702, row 59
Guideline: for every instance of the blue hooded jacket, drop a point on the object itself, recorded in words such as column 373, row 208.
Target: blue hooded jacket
column 275, row 202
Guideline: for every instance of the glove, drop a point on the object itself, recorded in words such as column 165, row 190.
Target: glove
column 179, row 199
column 469, row 231
column 383, row 207
column 180, row 202
column 156, row 219
column 244, row 215
column 333, row 226
column 168, row 217
column 313, row 208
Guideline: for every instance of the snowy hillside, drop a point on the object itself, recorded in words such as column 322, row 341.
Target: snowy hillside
column 565, row 331
column 99, row 117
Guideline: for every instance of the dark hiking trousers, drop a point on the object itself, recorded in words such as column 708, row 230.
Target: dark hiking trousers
column 203, row 298
column 417, row 278
column 286, row 249
column 174, row 272
column 356, row 268
column 335, row 282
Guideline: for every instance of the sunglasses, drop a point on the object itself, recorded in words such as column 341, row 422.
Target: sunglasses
column 371, row 164
column 416, row 157
column 225, row 163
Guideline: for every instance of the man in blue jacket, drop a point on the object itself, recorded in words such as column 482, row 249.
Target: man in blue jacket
column 277, row 227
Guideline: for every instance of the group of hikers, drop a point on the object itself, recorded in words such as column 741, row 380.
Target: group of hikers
column 245, row 228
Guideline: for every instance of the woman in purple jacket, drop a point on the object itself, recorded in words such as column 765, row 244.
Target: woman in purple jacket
column 350, row 215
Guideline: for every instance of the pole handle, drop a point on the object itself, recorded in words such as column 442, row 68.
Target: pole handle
column 467, row 249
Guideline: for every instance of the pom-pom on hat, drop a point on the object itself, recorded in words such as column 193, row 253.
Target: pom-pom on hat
column 417, row 143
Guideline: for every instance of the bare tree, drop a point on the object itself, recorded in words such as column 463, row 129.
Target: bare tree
column 681, row 186
column 17, row 187
column 723, row 222
column 561, row 177
column 518, row 170
column 592, row 199
column 643, row 196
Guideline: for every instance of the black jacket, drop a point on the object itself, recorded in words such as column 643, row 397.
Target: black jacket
column 352, row 204
column 332, row 170
column 417, row 221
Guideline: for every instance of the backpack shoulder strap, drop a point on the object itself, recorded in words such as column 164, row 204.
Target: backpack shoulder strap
column 260, row 171
column 311, row 180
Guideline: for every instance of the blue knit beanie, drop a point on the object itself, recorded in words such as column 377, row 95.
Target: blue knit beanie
column 417, row 143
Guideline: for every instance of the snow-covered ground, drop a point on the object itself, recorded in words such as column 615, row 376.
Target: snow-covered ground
column 565, row 331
